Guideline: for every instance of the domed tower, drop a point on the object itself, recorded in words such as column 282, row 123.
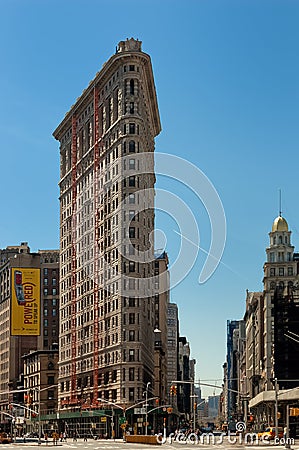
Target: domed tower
column 280, row 272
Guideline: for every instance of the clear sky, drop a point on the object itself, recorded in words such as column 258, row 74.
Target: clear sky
column 227, row 80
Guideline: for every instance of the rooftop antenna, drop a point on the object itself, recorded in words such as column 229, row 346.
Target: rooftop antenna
column 279, row 202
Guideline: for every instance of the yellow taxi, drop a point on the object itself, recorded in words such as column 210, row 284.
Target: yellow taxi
column 269, row 433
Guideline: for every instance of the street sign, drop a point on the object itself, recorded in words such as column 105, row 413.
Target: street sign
column 139, row 410
column 122, row 420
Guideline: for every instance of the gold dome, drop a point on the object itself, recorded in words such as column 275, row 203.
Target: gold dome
column 280, row 224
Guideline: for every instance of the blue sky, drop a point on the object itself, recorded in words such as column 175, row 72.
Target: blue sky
column 226, row 75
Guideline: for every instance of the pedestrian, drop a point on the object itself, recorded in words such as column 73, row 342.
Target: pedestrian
column 64, row 436
column 46, row 438
column 85, row 437
column 74, row 436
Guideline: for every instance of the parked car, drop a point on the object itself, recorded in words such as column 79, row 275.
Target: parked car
column 269, row 433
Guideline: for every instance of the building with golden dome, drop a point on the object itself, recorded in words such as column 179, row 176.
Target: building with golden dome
column 280, row 274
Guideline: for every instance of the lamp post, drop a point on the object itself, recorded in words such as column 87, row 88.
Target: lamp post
column 146, row 405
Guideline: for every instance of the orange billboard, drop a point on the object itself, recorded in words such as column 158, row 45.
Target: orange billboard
column 25, row 302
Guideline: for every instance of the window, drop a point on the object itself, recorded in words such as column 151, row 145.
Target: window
column 45, row 332
column 131, row 232
column 132, row 146
column 131, row 215
column 45, row 312
column 54, row 281
column 131, row 128
column 131, row 355
column 131, row 335
column 53, row 312
column 272, row 257
column 50, row 380
column 131, row 199
column 45, row 281
column 281, row 271
column 131, row 394
column 132, row 181
column 131, row 374
column 54, row 302
column 54, row 291
column 131, row 108
column 290, row 270
column 131, row 318
column 131, row 164
column 131, row 68
column 272, row 272
column 45, row 271
column 272, row 285
column 131, row 266
column 45, row 291
column 131, row 301
column 50, row 395
column 45, row 322
column 132, row 87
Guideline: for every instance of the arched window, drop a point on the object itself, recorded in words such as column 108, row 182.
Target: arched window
column 280, row 239
column 132, row 146
column 286, row 239
column 132, row 87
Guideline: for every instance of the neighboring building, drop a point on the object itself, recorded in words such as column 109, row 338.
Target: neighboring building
column 184, row 391
column 160, row 331
column 107, row 223
column 270, row 321
column 13, row 347
column 172, row 351
column 253, row 379
column 40, row 382
column 49, row 264
column 286, row 337
column 213, row 405
column 232, row 372
column 280, row 271
column 26, row 314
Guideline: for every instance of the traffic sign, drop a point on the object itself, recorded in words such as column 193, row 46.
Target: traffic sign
column 122, row 420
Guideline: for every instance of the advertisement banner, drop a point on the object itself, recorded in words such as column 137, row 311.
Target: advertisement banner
column 25, row 302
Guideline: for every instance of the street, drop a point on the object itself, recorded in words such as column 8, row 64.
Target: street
column 120, row 445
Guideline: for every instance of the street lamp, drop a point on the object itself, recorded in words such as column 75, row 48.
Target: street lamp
column 146, row 405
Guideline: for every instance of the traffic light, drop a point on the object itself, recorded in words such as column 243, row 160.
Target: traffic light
column 173, row 390
column 157, row 402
